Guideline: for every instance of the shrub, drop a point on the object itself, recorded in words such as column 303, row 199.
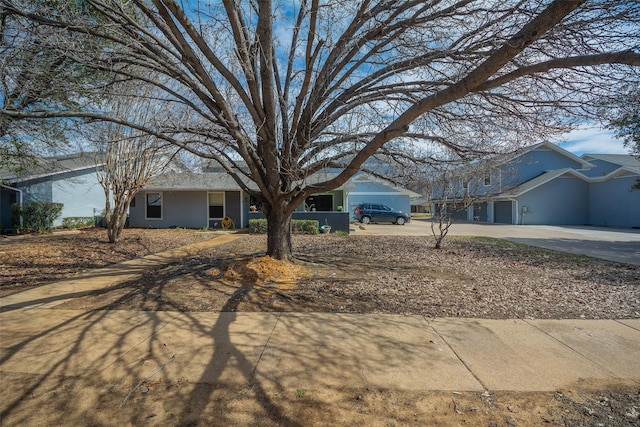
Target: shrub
column 258, row 225
column 78, row 221
column 306, row 226
column 38, row 216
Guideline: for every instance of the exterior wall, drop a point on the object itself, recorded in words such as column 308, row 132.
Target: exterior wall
column 614, row 204
column 563, row 201
column 533, row 164
column 79, row 192
column 338, row 221
column 83, row 196
column 373, row 192
column 188, row 209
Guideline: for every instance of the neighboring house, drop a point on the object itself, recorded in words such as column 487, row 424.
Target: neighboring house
column 202, row 200
column 368, row 189
column 70, row 180
column 545, row 184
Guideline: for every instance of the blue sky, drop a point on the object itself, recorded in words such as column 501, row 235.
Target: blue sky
column 593, row 140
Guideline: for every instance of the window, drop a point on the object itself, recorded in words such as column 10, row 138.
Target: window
column 154, row 205
column 487, row 178
column 216, row 205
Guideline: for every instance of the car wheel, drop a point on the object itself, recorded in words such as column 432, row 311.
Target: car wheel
column 400, row 220
column 365, row 220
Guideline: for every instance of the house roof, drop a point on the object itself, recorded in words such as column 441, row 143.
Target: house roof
column 48, row 166
column 541, row 180
column 190, row 181
column 196, row 181
column 624, row 160
column 208, row 181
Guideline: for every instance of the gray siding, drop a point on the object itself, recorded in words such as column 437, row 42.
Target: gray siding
column 533, row 164
column 614, row 204
column 601, row 168
column 79, row 192
column 188, row 209
column 179, row 209
column 563, row 201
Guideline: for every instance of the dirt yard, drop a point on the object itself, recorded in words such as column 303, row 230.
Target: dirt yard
column 470, row 277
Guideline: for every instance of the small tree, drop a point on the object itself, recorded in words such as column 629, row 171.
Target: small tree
column 453, row 190
column 130, row 158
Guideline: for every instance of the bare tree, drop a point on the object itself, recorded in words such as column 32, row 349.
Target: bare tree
column 453, row 190
column 289, row 88
column 129, row 157
column 36, row 73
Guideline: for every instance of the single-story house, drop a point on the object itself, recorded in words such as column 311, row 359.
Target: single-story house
column 202, row 200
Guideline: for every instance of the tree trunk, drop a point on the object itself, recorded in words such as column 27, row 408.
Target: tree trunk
column 279, row 234
column 117, row 219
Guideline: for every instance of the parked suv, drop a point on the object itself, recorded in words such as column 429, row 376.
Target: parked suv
column 373, row 212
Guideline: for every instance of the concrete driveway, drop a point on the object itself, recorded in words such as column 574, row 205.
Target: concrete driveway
column 613, row 244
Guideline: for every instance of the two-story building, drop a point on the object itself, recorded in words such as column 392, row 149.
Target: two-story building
column 545, row 184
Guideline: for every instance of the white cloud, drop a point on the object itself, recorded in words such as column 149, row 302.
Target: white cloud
column 592, row 140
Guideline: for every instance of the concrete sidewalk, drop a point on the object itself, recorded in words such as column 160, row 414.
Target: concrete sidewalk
column 294, row 350
column 318, row 350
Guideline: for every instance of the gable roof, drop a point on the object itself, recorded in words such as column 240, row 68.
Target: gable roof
column 50, row 166
column 191, row 181
column 624, row 160
column 541, row 180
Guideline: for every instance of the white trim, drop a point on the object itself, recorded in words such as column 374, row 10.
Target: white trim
column 146, row 205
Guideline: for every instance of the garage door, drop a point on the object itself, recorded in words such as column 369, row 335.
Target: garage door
column 502, row 212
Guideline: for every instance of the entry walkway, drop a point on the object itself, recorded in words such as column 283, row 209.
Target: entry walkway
column 56, row 293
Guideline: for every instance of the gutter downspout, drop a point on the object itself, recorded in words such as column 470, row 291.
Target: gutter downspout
column 517, row 211
column 19, row 197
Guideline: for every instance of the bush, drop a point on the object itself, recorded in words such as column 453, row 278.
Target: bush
column 258, row 225
column 305, row 226
column 78, row 221
column 37, row 216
